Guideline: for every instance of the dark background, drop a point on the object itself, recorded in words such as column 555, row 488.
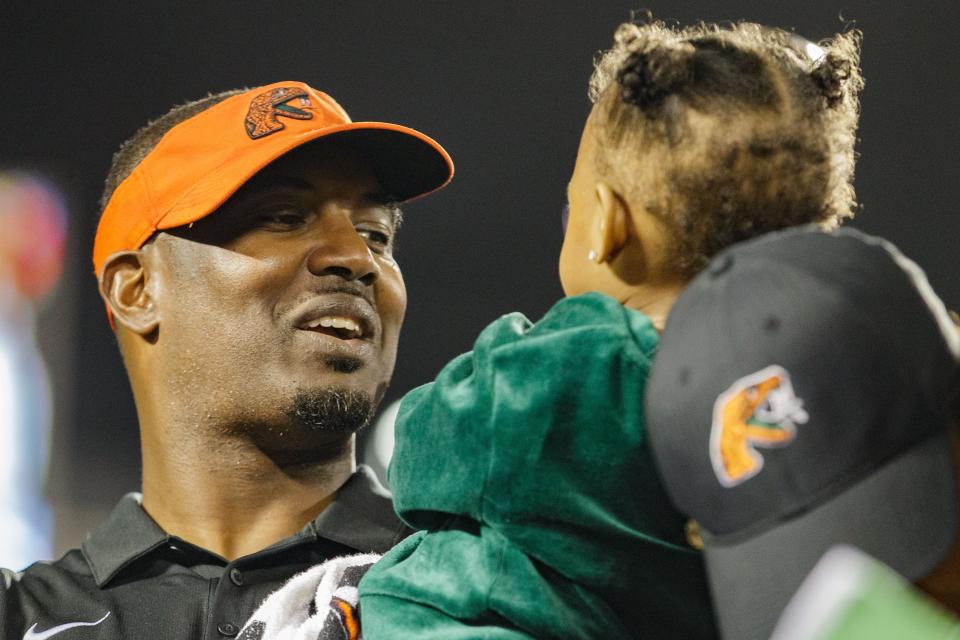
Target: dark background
column 501, row 84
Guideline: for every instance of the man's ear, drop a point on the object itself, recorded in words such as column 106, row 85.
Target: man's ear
column 124, row 288
column 608, row 233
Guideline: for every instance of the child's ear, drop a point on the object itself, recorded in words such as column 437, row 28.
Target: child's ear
column 608, row 233
column 124, row 288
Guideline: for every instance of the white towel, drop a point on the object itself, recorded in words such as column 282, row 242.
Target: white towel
column 322, row 603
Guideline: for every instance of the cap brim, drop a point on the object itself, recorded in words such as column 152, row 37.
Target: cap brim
column 408, row 164
column 903, row 514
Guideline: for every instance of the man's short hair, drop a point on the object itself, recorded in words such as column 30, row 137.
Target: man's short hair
column 134, row 150
column 751, row 129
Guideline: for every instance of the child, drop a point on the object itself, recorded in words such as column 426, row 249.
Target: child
column 525, row 465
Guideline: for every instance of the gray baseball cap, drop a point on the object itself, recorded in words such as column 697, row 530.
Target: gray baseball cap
column 799, row 399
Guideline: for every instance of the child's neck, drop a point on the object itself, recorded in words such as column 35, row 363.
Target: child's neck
column 654, row 300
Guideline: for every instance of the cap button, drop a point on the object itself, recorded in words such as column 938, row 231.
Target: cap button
column 720, row 265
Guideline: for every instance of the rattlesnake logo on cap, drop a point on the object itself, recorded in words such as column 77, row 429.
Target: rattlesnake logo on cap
column 266, row 107
column 758, row 410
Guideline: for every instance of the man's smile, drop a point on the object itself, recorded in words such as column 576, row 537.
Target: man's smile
column 340, row 327
column 338, row 324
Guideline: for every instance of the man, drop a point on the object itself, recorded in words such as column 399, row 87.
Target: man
column 244, row 254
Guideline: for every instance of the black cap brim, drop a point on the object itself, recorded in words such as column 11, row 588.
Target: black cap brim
column 752, row 580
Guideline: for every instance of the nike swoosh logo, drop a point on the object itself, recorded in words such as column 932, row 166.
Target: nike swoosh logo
column 49, row 633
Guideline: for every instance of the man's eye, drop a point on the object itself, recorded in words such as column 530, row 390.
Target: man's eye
column 379, row 239
column 285, row 219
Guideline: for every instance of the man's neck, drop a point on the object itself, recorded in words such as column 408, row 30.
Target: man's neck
column 233, row 499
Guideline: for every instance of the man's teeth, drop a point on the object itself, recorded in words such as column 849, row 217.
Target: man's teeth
column 335, row 322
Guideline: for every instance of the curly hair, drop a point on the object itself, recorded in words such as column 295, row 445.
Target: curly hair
column 727, row 132
column 134, row 150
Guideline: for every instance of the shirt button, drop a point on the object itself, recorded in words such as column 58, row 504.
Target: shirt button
column 228, row 629
column 236, row 577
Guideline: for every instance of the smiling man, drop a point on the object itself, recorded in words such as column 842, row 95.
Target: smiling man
column 245, row 256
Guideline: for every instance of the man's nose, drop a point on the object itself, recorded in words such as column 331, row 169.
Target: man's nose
column 338, row 249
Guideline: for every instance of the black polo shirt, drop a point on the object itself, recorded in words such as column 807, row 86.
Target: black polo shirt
column 132, row 580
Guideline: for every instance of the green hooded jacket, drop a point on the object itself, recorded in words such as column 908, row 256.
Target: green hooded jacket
column 526, row 469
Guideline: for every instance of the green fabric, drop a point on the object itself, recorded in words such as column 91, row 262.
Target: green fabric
column 525, row 465
column 893, row 610
column 881, row 605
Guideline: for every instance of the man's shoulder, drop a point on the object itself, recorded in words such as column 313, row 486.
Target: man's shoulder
column 41, row 590
column 71, row 569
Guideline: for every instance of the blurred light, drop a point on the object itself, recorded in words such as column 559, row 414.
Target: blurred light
column 33, row 221
column 378, row 442
column 33, row 224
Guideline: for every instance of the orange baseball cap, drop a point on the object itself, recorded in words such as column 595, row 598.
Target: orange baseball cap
column 202, row 161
